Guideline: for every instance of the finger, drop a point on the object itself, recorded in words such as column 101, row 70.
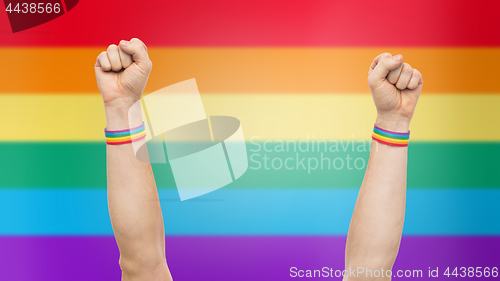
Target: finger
column 125, row 58
column 393, row 75
column 414, row 93
column 103, row 62
column 138, row 50
column 377, row 60
column 416, row 79
column 97, row 63
column 114, row 58
column 405, row 77
column 383, row 67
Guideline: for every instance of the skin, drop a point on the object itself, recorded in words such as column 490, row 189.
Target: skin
column 133, row 202
column 377, row 221
column 134, row 207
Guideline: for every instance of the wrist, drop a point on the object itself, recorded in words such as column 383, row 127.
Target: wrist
column 123, row 116
column 395, row 123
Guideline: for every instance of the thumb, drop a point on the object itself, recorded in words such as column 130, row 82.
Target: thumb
column 383, row 67
column 138, row 50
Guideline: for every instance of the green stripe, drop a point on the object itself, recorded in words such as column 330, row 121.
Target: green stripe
column 431, row 164
column 126, row 134
column 391, row 136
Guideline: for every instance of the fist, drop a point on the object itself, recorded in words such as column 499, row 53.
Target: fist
column 395, row 88
column 122, row 72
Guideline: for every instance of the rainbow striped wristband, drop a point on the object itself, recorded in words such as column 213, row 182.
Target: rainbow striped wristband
column 125, row 136
column 390, row 138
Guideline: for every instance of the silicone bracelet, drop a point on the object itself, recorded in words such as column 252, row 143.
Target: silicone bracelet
column 125, row 136
column 390, row 138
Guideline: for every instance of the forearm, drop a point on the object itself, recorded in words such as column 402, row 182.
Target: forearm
column 133, row 201
column 378, row 217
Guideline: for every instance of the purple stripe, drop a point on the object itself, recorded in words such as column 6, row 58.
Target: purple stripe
column 228, row 258
column 391, row 132
column 125, row 130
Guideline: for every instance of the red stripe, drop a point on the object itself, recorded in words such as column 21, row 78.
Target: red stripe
column 388, row 143
column 111, row 142
column 268, row 23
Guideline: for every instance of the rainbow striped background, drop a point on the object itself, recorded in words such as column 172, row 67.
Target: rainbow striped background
column 288, row 70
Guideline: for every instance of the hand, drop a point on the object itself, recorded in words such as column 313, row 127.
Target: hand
column 122, row 72
column 395, row 88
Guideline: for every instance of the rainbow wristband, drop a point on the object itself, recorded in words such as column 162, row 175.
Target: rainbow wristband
column 125, row 136
column 390, row 138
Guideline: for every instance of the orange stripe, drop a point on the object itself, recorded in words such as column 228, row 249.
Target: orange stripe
column 254, row 70
column 377, row 136
column 140, row 135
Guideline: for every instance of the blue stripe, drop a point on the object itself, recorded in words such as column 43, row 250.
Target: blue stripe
column 248, row 212
column 385, row 134
column 138, row 130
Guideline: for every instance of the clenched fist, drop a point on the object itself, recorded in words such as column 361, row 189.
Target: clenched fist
column 395, row 88
column 122, row 73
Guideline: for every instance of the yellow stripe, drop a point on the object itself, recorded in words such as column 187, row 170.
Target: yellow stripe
column 138, row 135
column 264, row 116
column 126, row 139
column 389, row 139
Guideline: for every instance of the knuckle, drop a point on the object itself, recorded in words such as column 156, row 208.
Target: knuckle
column 136, row 41
column 386, row 55
column 384, row 61
column 387, row 62
column 101, row 55
column 407, row 68
column 112, row 47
